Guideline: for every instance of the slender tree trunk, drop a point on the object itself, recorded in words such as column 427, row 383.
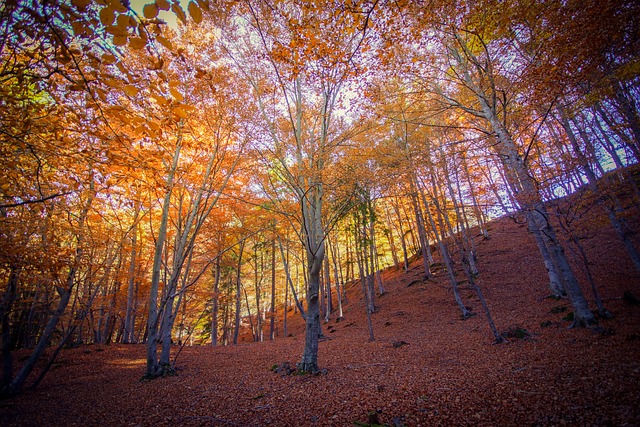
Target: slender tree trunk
column 607, row 143
column 402, row 237
column 479, row 213
column 285, row 311
column 128, row 318
column 628, row 143
column 215, row 303
column 272, row 311
column 327, row 281
column 236, row 330
column 289, row 281
column 388, row 231
column 617, row 224
column 446, row 257
column 336, row 275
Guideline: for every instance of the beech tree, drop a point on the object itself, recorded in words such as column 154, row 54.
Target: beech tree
column 307, row 70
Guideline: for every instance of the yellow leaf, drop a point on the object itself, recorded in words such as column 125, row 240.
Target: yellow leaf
column 119, row 40
column 137, row 43
column 176, row 95
column 165, row 42
column 160, row 99
column 154, row 126
column 163, row 4
column 150, row 11
column 107, row 16
column 189, row 108
column 140, row 130
column 174, row 83
column 180, row 113
column 177, row 9
column 131, row 90
column 195, row 12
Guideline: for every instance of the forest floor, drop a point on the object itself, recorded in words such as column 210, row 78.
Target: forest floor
column 426, row 367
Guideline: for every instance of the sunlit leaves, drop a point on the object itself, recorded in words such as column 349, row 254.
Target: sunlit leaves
column 161, row 100
column 176, row 94
column 180, row 112
column 131, row 90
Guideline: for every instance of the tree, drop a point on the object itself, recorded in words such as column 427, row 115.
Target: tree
column 307, row 72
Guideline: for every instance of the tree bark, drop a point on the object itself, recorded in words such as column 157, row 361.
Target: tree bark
column 236, row 330
column 272, row 311
column 215, row 303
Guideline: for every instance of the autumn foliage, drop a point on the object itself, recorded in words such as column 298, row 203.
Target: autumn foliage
column 185, row 173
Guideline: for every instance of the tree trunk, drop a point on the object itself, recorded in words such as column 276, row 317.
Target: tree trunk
column 617, row 224
column 402, row 235
column 272, row 311
column 529, row 198
column 214, row 303
column 236, row 330
column 128, row 318
column 327, row 281
column 289, row 281
column 309, row 362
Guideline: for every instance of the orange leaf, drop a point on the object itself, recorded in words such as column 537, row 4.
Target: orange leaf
column 160, row 99
column 107, row 16
column 176, row 95
column 177, row 9
column 150, row 11
column 165, row 42
column 195, row 12
column 81, row 4
column 180, row 113
column 119, row 40
column 131, row 90
column 137, row 43
column 163, row 4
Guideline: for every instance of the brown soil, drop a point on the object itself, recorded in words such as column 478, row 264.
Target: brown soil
column 449, row 372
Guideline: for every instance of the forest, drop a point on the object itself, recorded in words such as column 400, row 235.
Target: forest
column 277, row 205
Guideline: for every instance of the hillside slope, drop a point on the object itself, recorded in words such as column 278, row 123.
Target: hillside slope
column 426, row 367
